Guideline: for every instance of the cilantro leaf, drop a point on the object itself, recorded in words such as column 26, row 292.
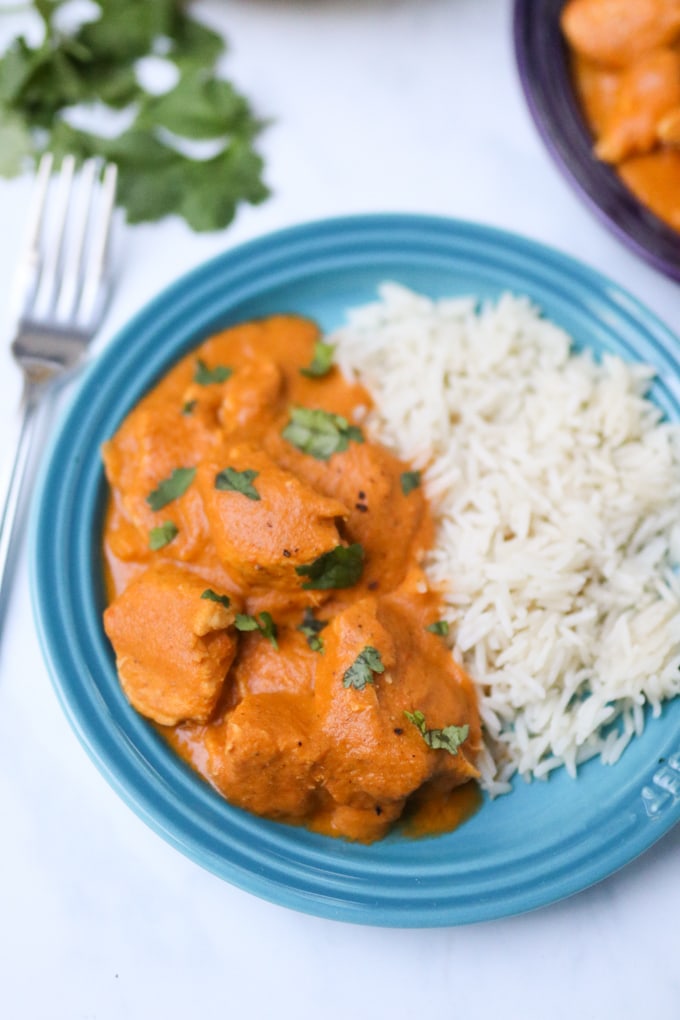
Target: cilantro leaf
column 447, row 739
column 105, row 82
column 223, row 600
column 204, row 376
column 194, row 44
column 320, row 433
column 439, row 627
column 231, row 480
column 199, row 107
column 322, row 361
column 171, row 488
column 15, row 145
column 311, row 628
column 212, row 189
column 265, row 625
column 126, row 29
column 362, row 669
column 339, row 568
column 410, row 480
column 316, row 643
column 189, row 407
column 17, row 66
column 162, row 535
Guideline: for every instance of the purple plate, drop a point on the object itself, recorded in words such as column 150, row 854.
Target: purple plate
column 542, row 60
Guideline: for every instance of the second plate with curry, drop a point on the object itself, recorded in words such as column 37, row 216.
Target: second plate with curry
column 543, row 64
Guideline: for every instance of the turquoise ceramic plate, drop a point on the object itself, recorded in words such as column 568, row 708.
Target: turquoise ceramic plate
column 538, row 844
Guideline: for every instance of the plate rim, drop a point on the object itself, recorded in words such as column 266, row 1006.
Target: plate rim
column 388, row 913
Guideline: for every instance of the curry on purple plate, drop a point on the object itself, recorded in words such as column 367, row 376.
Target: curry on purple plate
column 544, row 68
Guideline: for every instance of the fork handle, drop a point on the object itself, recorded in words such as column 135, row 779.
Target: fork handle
column 17, row 471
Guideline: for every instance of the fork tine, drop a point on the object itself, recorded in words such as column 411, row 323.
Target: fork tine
column 29, row 264
column 94, row 286
column 47, row 288
column 36, row 214
column 70, row 283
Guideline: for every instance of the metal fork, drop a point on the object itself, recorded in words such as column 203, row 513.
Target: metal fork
column 57, row 302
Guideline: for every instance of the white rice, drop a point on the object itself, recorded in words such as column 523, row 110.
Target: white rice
column 555, row 486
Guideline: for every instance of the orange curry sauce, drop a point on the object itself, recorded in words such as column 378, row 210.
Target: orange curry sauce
column 626, row 68
column 302, row 725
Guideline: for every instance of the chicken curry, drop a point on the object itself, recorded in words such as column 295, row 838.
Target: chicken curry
column 626, row 65
column 268, row 609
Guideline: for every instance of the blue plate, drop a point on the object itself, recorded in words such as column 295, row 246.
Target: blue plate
column 543, row 64
column 543, row 841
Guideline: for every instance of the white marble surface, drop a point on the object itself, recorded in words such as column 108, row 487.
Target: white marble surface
column 376, row 105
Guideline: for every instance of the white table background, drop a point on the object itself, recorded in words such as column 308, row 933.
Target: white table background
column 409, row 105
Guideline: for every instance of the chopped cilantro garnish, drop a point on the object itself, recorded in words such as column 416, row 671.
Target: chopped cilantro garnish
column 448, row 739
column 311, row 628
column 162, row 535
column 188, row 407
column 265, row 625
column 231, row 480
column 320, row 433
column 410, row 480
column 322, row 361
column 171, row 488
column 362, row 669
column 339, row 568
column 439, row 627
column 223, row 600
column 205, row 376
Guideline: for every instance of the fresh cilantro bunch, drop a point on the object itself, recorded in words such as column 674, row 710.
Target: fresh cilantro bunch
column 95, row 62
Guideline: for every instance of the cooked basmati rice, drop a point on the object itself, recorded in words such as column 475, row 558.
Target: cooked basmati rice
column 555, row 486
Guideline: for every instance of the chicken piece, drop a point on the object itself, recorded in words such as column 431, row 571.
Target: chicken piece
column 154, row 441
column 649, row 91
column 668, row 128
column 260, row 668
column 252, row 398
column 375, row 757
column 173, row 647
column 654, row 179
column 616, row 32
column 245, row 401
column 264, row 521
column 367, row 479
column 597, row 89
column 263, row 757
